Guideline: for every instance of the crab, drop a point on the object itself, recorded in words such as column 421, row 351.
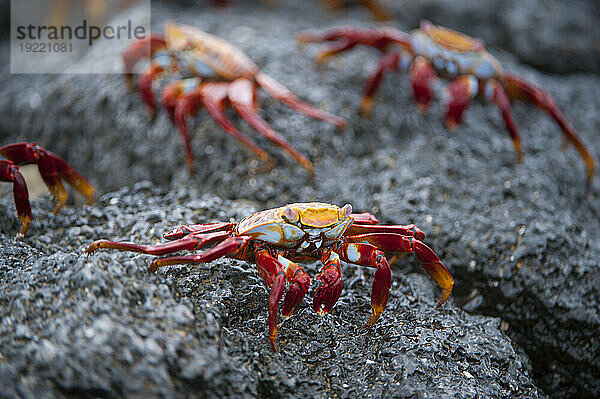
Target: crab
column 278, row 239
column 218, row 75
column 53, row 170
column 431, row 51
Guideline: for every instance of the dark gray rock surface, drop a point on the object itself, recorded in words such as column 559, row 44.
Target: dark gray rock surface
column 102, row 325
column 522, row 242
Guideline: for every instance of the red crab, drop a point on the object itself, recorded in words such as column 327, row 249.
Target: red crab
column 432, row 51
column 275, row 239
column 219, row 75
column 53, row 170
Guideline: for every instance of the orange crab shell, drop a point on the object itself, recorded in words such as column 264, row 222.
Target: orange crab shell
column 451, row 39
column 287, row 225
column 209, row 50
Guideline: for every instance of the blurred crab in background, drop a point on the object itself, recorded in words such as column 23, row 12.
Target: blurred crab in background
column 432, row 51
column 275, row 239
column 219, row 75
column 53, row 170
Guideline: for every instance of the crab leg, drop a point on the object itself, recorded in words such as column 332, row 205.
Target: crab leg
column 283, row 94
column 494, row 92
column 214, row 98
column 409, row 230
column 187, row 243
column 272, row 273
column 52, row 168
column 389, row 242
column 330, row 289
column 519, row 89
column 388, row 62
column 9, row 172
column 369, row 255
column 299, row 282
column 345, row 38
column 241, row 95
column 421, row 76
column 145, row 85
column 229, row 246
column 197, row 229
column 460, row 92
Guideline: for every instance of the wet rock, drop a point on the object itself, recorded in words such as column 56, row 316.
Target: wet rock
column 102, row 325
column 522, row 241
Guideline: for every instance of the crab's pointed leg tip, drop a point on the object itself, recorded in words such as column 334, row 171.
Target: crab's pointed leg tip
column 423, row 108
column 451, row 125
column 443, row 298
column 366, row 107
column 372, row 320
column 273, row 340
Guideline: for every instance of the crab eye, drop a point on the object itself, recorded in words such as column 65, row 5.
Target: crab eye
column 290, row 215
column 345, row 211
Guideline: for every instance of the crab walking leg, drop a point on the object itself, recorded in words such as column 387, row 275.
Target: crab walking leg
column 421, row 76
column 229, row 246
column 368, row 255
column 241, row 96
column 52, row 168
column 389, row 242
column 184, row 230
column 184, row 98
column 67, row 173
column 214, row 98
column 460, row 92
column 519, row 89
column 9, row 172
column 409, row 230
column 330, row 289
column 345, row 38
column 388, row 62
column 494, row 92
column 283, row 94
column 272, row 273
column 171, row 99
column 187, row 243
column 145, row 85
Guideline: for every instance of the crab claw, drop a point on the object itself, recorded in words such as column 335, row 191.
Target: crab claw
column 295, row 293
column 9, row 172
column 331, row 285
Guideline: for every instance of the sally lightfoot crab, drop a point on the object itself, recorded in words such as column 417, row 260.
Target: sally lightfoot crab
column 277, row 240
column 53, row 170
column 219, row 75
column 432, row 51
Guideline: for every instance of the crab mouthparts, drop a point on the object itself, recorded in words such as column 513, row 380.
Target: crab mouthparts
column 315, row 240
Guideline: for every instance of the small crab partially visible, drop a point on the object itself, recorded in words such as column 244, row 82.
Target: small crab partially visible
column 218, row 75
column 432, row 51
column 53, row 170
column 275, row 239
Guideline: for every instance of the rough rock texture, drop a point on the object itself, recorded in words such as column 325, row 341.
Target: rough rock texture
column 104, row 326
column 522, row 242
